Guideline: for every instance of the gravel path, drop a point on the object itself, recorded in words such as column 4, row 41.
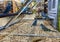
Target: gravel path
column 24, row 27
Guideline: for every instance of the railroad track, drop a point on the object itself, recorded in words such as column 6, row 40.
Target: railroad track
column 46, row 39
column 8, row 30
column 17, row 30
column 26, row 29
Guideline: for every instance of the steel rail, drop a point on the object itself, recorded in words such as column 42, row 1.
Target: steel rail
column 10, row 22
column 36, row 35
column 13, row 19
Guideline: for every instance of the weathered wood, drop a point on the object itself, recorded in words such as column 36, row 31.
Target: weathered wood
column 14, row 6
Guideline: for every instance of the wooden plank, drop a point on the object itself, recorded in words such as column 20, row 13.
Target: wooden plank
column 14, row 6
column 47, row 24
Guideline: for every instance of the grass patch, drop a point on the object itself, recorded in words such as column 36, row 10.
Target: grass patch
column 59, row 17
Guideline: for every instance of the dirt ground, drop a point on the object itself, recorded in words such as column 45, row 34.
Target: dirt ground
column 25, row 27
